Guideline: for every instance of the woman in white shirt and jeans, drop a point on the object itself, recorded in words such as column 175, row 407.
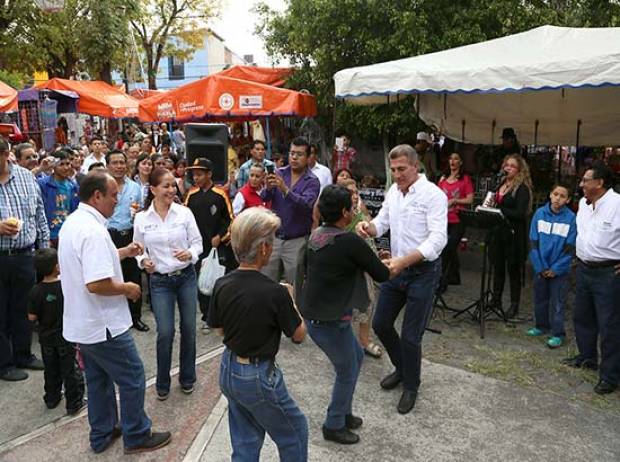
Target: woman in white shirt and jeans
column 172, row 244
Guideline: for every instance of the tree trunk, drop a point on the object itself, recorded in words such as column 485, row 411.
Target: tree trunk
column 105, row 73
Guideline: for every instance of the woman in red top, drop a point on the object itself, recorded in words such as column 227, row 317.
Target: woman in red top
column 249, row 195
column 460, row 191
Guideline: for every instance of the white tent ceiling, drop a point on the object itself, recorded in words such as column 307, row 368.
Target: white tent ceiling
column 564, row 78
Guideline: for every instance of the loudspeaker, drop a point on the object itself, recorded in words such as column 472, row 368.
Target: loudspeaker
column 209, row 141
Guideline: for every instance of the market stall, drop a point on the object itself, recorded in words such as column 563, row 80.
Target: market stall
column 96, row 98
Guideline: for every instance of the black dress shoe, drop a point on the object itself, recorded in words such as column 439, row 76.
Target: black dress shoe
column 604, row 388
column 35, row 364
column 139, row 325
column 407, row 401
column 578, row 362
column 512, row 311
column 116, row 433
column 13, row 375
column 341, row 436
column 391, row 381
column 154, row 441
column 353, row 422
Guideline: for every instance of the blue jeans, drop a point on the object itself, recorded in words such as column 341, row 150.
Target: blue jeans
column 597, row 314
column 115, row 361
column 338, row 342
column 165, row 291
column 414, row 288
column 549, row 303
column 258, row 402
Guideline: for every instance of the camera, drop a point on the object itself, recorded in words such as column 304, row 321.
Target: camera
column 270, row 169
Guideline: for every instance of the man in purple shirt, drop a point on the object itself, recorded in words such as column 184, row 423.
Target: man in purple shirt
column 292, row 190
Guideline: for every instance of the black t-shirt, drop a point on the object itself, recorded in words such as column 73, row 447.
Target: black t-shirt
column 46, row 301
column 253, row 311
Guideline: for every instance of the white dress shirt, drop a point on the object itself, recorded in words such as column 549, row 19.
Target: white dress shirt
column 90, row 160
column 598, row 228
column 161, row 238
column 323, row 174
column 416, row 220
column 87, row 254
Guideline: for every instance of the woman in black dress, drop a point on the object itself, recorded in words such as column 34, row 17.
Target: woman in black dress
column 509, row 248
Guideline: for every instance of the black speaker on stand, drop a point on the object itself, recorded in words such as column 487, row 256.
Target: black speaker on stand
column 211, row 142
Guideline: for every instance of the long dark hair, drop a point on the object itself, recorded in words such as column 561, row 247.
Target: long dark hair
column 446, row 173
column 139, row 159
column 155, row 179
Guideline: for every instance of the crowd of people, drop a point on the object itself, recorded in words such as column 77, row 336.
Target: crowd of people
column 84, row 231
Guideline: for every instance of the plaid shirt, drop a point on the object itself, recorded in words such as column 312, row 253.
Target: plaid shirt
column 20, row 197
column 343, row 159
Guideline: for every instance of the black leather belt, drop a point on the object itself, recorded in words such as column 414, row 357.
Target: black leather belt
column 599, row 264
column 124, row 232
column 12, row 252
column 173, row 273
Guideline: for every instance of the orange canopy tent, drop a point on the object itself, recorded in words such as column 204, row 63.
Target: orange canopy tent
column 221, row 98
column 96, row 97
column 274, row 76
column 8, row 98
column 141, row 93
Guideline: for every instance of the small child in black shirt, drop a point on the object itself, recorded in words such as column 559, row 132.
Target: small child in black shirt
column 45, row 304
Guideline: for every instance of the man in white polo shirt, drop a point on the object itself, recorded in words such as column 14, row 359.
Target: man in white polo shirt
column 321, row 171
column 96, row 317
column 597, row 307
column 416, row 213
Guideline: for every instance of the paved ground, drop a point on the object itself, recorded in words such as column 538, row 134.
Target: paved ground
column 459, row 416
column 506, row 396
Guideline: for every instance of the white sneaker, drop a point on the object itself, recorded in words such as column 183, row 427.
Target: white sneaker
column 205, row 327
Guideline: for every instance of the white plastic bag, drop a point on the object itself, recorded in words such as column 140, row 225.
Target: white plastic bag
column 210, row 271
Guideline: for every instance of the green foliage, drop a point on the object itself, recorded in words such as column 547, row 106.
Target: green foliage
column 13, row 79
column 86, row 35
column 321, row 37
column 171, row 28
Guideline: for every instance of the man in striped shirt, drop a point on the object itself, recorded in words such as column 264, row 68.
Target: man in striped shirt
column 22, row 224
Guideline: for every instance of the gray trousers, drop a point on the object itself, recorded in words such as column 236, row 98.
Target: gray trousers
column 286, row 252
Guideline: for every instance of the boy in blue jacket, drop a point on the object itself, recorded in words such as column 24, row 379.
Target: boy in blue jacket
column 553, row 233
column 59, row 193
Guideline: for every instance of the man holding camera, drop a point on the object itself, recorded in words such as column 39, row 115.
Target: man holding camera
column 292, row 190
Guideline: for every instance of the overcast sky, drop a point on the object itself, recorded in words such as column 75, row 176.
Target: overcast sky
column 236, row 26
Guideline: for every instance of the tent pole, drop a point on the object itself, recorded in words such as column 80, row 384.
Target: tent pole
column 536, row 133
column 268, row 137
column 493, row 125
column 577, row 152
column 463, row 131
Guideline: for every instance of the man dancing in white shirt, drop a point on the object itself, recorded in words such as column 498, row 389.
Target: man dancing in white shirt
column 416, row 212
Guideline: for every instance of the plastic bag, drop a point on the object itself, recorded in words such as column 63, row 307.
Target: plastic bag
column 210, row 271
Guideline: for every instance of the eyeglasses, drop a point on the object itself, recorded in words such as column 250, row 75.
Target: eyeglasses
column 296, row 154
column 584, row 179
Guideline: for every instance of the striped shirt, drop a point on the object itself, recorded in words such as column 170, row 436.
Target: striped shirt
column 20, row 197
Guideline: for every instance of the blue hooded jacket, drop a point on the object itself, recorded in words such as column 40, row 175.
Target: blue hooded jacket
column 553, row 237
column 49, row 193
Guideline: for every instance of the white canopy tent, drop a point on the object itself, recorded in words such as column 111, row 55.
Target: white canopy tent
column 553, row 85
